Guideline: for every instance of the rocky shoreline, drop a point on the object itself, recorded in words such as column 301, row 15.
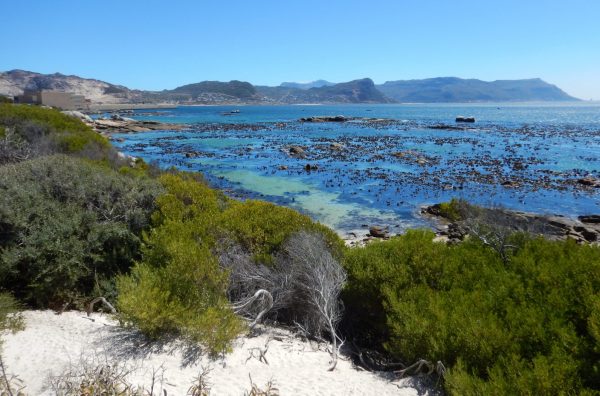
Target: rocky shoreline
column 584, row 229
column 513, row 171
column 119, row 124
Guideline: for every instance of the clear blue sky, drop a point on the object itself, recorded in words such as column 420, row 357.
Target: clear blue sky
column 162, row 44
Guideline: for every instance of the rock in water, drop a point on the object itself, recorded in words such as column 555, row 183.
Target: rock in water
column 296, row 151
column 378, row 232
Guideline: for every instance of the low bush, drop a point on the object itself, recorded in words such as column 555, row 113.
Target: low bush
column 47, row 131
column 68, row 226
column 525, row 326
column 261, row 228
column 455, row 210
column 178, row 287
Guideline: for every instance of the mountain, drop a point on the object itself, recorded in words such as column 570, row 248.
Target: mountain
column 15, row 81
column 308, row 85
column 452, row 89
column 233, row 89
column 357, row 91
column 443, row 89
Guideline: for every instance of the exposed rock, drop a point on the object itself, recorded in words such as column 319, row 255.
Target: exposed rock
column 586, row 230
column 282, row 167
column 589, row 234
column 77, row 114
column 378, row 232
column 126, row 125
column 339, row 118
column 296, row 151
column 593, row 219
column 465, row 119
column 589, row 181
column 447, row 127
column 510, row 184
column 336, row 146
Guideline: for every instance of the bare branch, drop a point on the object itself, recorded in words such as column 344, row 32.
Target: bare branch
column 103, row 301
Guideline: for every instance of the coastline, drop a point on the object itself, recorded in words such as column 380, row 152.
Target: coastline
column 323, row 153
column 96, row 108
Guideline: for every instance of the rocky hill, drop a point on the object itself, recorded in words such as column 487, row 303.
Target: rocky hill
column 15, row 81
column 452, row 89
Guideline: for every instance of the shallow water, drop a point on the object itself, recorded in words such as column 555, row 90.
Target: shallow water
column 387, row 170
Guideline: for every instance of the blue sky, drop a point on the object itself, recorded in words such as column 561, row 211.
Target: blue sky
column 163, row 44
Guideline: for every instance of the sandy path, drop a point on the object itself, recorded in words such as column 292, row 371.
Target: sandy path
column 50, row 343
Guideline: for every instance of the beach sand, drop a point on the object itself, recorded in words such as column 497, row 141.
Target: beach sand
column 52, row 343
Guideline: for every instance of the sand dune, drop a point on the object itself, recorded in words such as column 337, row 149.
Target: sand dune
column 52, row 343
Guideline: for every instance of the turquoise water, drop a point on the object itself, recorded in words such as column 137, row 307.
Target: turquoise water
column 385, row 171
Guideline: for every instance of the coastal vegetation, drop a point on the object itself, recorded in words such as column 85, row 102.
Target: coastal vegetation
column 525, row 326
column 78, row 221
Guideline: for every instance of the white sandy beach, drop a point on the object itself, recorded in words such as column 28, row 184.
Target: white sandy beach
column 52, row 343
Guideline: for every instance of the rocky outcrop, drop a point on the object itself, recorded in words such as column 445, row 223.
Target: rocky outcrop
column 589, row 181
column 119, row 124
column 585, row 229
column 126, row 125
column 378, row 232
column 78, row 114
column 296, row 151
column 339, row 118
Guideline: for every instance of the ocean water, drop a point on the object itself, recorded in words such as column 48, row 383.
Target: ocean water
column 520, row 156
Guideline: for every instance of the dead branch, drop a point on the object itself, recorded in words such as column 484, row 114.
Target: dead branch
column 104, row 302
column 419, row 365
column 265, row 300
column 318, row 280
column 270, row 389
column 12, row 385
column 201, row 386
column 303, row 286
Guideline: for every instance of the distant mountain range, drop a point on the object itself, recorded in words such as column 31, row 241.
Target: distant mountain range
column 433, row 90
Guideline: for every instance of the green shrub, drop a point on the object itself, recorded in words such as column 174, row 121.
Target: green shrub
column 68, row 226
column 49, row 131
column 456, row 209
column 179, row 286
column 261, row 227
column 528, row 326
